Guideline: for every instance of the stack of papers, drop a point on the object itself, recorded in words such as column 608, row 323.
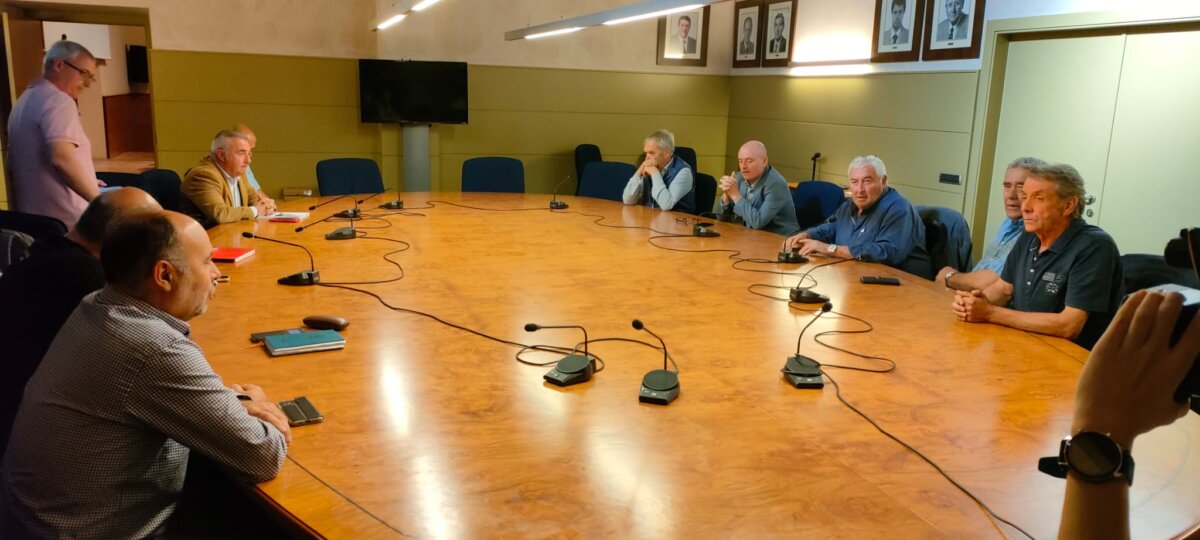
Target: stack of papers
column 231, row 254
column 289, row 217
column 303, row 342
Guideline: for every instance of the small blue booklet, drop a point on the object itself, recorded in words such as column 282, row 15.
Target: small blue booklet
column 303, row 342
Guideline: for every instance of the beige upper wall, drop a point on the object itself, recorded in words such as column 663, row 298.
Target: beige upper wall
column 325, row 28
column 437, row 34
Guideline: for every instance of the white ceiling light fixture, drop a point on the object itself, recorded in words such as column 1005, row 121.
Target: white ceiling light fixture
column 554, row 33
column 399, row 10
column 645, row 9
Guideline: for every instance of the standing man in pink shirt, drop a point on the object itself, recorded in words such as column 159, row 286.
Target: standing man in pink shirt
column 50, row 155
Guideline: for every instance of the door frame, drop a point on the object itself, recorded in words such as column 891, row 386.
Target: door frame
column 990, row 93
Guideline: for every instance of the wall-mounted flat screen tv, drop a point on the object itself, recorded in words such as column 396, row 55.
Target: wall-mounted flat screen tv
column 412, row 92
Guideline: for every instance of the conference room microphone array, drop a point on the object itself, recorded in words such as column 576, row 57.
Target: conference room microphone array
column 660, row 386
column 800, row 370
column 307, row 277
column 572, row 369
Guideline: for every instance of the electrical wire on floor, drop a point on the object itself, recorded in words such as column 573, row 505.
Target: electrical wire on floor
column 838, row 391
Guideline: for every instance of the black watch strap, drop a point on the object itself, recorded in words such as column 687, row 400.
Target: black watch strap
column 1057, row 466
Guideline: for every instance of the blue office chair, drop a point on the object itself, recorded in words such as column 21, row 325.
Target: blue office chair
column 706, row 193
column 605, row 179
column 163, row 185
column 688, row 155
column 947, row 238
column 343, row 176
column 815, row 201
column 584, row 154
column 494, row 175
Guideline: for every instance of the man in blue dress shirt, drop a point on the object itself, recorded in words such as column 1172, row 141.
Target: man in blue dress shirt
column 989, row 267
column 876, row 224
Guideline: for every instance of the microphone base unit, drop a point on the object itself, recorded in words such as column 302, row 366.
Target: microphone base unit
column 659, row 387
column 558, row 205
column 573, row 369
column 806, row 296
column 352, row 213
column 307, row 277
column 803, row 372
column 393, row 205
column 791, row 257
column 344, row 233
column 704, row 232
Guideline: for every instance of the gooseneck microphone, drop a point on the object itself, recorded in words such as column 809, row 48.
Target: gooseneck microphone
column 802, row 295
column 814, row 159
column 316, row 206
column 660, row 386
column 308, row 277
column 800, row 370
column 573, row 368
column 342, row 233
column 556, row 204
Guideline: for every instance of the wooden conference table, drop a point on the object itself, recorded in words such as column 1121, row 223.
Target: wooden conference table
column 433, row 432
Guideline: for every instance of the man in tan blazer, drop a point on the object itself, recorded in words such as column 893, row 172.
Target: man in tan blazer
column 216, row 190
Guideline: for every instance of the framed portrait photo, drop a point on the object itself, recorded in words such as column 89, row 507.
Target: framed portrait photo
column 747, row 34
column 898, row 25
column 953, row 29
column 779, row 18
column 683, row 38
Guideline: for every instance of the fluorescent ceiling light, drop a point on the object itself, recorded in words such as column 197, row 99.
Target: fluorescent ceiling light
column 398, row 11
column 644, row 9
column 652, row 15
column 388, row 23
column 554, row 32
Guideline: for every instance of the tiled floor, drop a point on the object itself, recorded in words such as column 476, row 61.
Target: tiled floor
column 129, row 162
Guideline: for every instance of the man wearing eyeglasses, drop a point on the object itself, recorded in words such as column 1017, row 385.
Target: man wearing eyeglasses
column 50, row 155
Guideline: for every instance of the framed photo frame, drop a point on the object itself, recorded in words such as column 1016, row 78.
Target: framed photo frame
column 953, row 29
column 747, row 33
column 683, row 38
column 779, row 18
column 898, row 26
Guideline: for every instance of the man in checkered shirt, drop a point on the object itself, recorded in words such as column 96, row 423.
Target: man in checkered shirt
column 101, row 442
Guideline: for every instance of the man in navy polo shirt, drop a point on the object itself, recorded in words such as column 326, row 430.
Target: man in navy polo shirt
column 875, row 224
column 1063, row 277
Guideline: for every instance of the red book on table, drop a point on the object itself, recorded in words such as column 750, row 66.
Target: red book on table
column 231, row 254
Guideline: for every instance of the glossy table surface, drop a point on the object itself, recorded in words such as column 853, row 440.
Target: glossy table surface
column 434, row 432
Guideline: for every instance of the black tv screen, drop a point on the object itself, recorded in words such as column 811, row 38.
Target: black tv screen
column 412, row 92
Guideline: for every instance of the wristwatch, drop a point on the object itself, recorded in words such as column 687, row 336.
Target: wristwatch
column 1090, row 456
column 832, row 248
column 949, row 275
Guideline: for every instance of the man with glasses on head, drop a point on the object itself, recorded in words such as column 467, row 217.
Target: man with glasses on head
column 875, row 224
column 50, row 155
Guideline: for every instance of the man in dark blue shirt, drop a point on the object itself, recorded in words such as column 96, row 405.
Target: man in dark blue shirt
column 1063, row 277
column 876, row 224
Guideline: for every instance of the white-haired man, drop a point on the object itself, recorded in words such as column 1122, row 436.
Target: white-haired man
column 663, row 180
column 875, row 224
